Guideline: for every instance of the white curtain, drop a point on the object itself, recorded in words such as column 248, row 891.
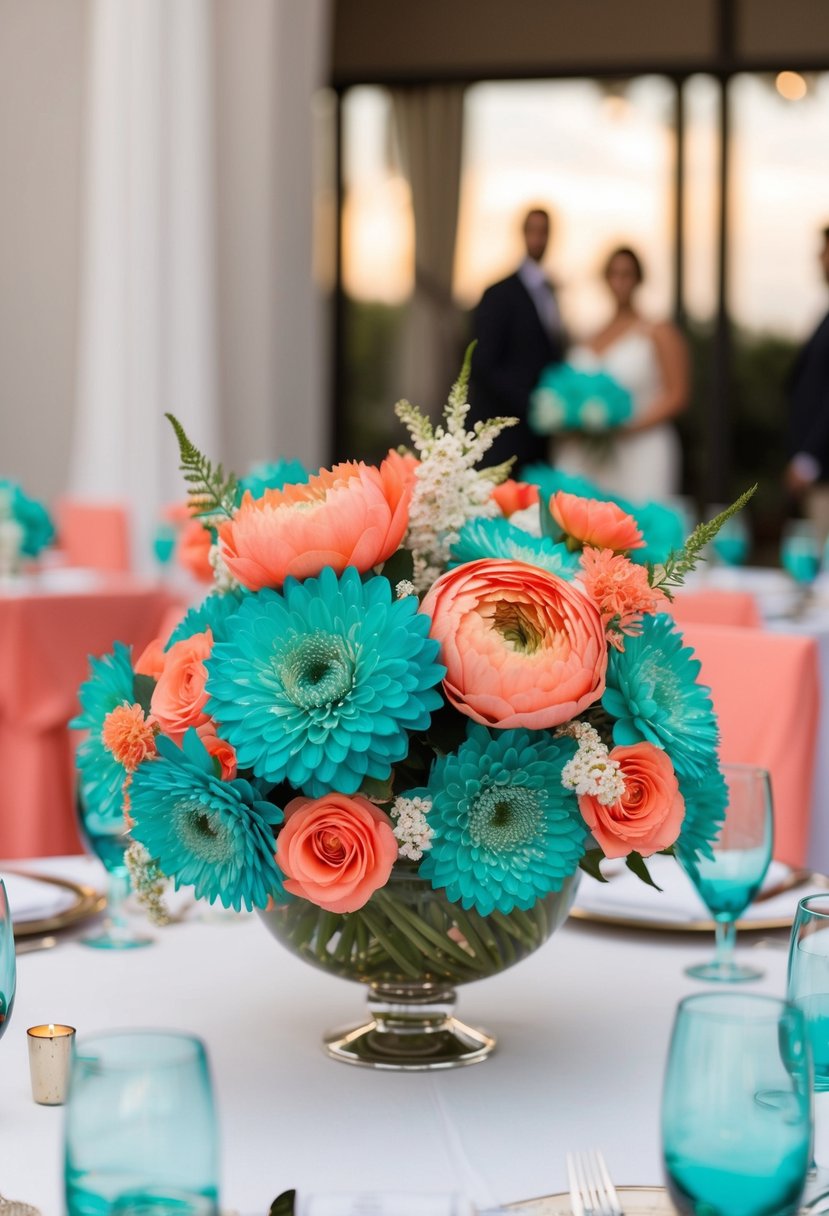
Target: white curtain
column 429, row 123
column 147, row 331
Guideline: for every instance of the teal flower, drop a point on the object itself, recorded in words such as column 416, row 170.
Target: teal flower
column 34, row 519
column 505, row 830
column 570, row 398
column 111, row 683
column 320, row 685
column 212, row 613
column 706, row 798
column 653, row 694
column 271, row 476
column 216, row 836
column 500, row 539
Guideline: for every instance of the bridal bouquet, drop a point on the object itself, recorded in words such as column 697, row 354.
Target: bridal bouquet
column 392, row 676
column 568, row 398
column 33, row 525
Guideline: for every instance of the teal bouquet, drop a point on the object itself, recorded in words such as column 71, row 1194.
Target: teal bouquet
column 570, row 399
column 34, row 521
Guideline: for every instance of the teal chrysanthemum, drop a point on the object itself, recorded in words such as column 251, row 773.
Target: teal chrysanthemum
column 320, row 685
column 653, row 694
column 706, row 798
column 34, row 519
column 273, row 475
column 212, row 613
column 111, row 683
column 216, row 836
column 505, row 830
column 500, row 539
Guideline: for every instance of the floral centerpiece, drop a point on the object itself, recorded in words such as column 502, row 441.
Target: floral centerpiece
column 401, row 723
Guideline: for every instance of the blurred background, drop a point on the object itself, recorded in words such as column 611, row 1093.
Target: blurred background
column 274, row 217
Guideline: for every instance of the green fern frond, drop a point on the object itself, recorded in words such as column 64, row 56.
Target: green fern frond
column 683, row 561
column 210, row 492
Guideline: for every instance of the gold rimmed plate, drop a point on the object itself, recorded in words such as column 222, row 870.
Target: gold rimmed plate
column 84, row 902
column 636, row 1201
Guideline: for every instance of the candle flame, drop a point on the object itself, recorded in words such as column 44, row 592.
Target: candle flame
column 51, row 1029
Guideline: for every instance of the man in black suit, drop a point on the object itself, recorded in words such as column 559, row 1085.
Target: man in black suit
column 519, row 331
column 807, row 473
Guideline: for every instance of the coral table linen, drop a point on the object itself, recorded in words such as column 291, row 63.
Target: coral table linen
column 716, row 607
column 45, row 641
column 766, row 691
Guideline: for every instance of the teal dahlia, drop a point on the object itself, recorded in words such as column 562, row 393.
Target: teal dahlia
column 653, row 694
column 214, row 835
column 320, row 685
column 271, row 475
column 500, row 539
column 111, row 683
column 505, row 831
column 706, row 798
column 212, row 613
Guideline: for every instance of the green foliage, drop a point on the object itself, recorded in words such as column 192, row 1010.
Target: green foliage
column 142, row 691
column 210, row 491
column 591, row 864
column 680, row 564
column 636, row 863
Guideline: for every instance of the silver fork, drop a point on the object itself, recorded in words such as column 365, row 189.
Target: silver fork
column 592, row 1192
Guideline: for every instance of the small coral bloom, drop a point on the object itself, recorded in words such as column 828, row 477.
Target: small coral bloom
column 193, row 550
column 522, row 646
column 151, row 660
column 219, row 749
column 591, row 522
column 512, row 496
column 336, row 851
column 179, row 697
column 129, row 735
column 351, row 515
column 648, row 817
column 622, row 591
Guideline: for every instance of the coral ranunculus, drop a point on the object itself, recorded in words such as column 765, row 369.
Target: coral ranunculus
column 522, row 646
column 336, row 851
column 512, row 496
column 648, row 817
column 351, row 515
column 193, row 550
column 179, row 697
column 592, row 522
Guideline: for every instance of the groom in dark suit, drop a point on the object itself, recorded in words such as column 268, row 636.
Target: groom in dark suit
column 807, row 473
column 519, row 331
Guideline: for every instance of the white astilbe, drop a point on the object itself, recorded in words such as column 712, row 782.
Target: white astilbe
column 148, row 882
column 591, row 770
column 448, row 488
column 414, row 836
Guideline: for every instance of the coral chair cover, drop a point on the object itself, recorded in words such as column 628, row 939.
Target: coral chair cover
column 716, row 607
column 766, row 691
column 94, row 534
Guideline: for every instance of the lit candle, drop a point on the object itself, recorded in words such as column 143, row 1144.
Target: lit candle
column 50, row 1053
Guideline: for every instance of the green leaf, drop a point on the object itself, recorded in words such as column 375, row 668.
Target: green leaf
column 590, row 864
column 283, row 1205
column 636, row 863
column 376, row 790
column 142, row 689
column 680, row 563
column 211, row 492
column 399, row 567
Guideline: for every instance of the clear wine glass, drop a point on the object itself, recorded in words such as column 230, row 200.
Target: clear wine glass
column 8, row 961
column 736, row 1106
column 728, row 880
column 808, row 988
column 108, row 838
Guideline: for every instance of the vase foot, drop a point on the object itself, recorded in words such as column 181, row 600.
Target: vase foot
column 369, row 1045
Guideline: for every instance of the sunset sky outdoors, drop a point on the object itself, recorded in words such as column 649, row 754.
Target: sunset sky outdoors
column 603, row 163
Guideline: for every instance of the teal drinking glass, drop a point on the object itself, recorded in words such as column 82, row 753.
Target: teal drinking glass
column 732, row 543
column 736, row 1106
column 107, row 837
column 140, row 1130
column 8, row 962
column 800, row 552
column 728, row 880
column 164, row 543
column 808, row 988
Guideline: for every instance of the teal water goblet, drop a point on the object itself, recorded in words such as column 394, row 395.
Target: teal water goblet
column 728, row 880
column 736, row 1106
column 106, row 835
column 8, row 961
column 808, row 988
column 140, row 1135
column 800, row 552
column 164, row 543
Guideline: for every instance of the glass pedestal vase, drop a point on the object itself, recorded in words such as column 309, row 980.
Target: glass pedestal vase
column 412, row 947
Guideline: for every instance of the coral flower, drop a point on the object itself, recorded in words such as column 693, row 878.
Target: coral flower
column 351, row 515
column 336, row 851
column 151, row 660
column 180, row 695
column 648, row 817
column 592, row 522
column 621, row 590
column 522, row 646
column 129, row 735
column 193, row 550
column 219, row 749
column 512, row 496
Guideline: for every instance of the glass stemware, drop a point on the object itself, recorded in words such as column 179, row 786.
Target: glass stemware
column 736, row 1106
column 728, row 880
column 732, row 543
column 800, row 552
column 808, row 988
column 140, row 1132
column 164, row 543
column 107, row 836
column 8, row 962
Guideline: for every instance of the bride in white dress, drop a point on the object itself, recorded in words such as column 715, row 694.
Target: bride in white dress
column 643, row 458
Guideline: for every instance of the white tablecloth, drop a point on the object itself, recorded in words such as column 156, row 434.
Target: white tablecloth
column 583, row 1028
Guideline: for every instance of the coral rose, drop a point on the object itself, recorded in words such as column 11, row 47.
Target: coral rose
column 336, row 851
column 193, row 550
column 648, row 817
column 591, row 522
column 522, row 647
column 219, row 749
column 512, row 496
column 151, row 660
column 179, row 697
column 351, row 515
